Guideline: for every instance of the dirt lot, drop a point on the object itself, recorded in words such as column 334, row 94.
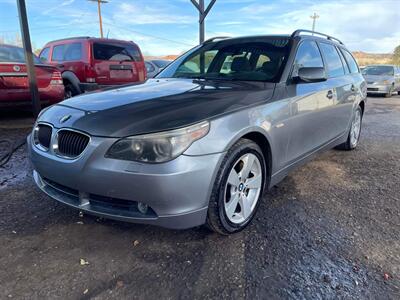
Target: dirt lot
column 330, row 230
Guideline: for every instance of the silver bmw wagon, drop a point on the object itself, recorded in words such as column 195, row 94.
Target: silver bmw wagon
column 203, row 141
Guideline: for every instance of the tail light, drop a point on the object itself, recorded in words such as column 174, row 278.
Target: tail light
column 56, row 78
column 90, row 74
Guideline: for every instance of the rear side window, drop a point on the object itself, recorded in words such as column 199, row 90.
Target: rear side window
column 67, row 52
column 116, row 52
column 58, row 53
column 44, row 55
column 307, row 56
column 334, row 64
column 350, row 61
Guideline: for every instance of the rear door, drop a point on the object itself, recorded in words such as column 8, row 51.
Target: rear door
column 343, row 88
column 69, row 57
column 117, row 63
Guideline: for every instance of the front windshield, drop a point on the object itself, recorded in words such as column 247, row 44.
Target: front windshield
column 378, row 70
column 260, row 59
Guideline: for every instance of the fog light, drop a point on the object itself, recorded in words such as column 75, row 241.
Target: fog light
column 142, row 207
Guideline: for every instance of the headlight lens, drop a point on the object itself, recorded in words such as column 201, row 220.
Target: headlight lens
column 157, row 147
column 386, row 82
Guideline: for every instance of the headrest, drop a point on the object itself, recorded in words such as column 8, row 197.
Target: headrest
column 240, row 64
column 270, row 66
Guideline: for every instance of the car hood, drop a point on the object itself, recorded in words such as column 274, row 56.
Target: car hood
column 377, row 78
column 156, row 105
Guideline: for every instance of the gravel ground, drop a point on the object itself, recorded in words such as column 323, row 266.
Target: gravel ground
column 331, row 229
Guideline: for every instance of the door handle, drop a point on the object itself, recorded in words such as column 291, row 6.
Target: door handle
column 353, row 88
column 60, row 66
column 329, row 95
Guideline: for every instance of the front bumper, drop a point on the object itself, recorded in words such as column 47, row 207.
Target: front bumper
column 378, row 88
column 176, row 192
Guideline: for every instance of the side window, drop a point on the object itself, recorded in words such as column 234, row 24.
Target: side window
column 58, row 53
column 227, row 64
column 350, row 61
column 307, row 55
column 334, row 64
column 262, row 59
column 44, row 55
column 344, row 63
column 73, row 52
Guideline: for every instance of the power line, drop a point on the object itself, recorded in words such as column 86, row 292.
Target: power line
column 149, row 35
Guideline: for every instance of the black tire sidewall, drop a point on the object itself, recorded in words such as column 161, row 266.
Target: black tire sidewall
column 238, row 150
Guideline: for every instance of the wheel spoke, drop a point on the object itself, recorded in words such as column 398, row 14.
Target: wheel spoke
column 245, row 206
column 230, row 207
column 233, row 178
column 248, row 162
column 255, row 182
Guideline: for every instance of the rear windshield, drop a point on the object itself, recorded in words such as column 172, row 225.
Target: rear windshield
column 255, row 60
column 378, row 70
column 15, row 54
column 116, row 52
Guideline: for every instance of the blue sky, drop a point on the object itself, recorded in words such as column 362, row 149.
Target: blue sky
column 170, row 26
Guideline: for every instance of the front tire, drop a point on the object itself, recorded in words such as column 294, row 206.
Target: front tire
column 354, row 133
column 238, row 188
column 390, row 93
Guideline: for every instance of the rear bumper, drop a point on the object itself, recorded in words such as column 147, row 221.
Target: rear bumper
column 176, row 192
column 20, row 97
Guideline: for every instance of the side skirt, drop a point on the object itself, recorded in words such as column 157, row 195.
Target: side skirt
column 281, row 174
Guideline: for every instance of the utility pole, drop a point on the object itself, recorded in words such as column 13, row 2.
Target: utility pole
column 99, row 2
column 314, row 17
column 30, row 66
column 202, row 15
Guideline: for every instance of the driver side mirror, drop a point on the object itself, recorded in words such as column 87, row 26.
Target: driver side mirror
column 310, row 74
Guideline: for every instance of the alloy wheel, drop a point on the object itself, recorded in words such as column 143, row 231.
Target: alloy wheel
column 355, row 128
column 243, row 188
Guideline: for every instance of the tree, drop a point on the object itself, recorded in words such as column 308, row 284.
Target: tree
column 396, row 56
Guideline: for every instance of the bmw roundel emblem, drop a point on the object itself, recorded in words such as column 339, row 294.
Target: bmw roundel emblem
column 16, row 68
column 65, row 118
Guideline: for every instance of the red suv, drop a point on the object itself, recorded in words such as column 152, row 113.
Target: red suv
column 88, row 63
column 14, row 84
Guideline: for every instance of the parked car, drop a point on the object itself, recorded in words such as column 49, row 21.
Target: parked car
column 382, row 79
column 201, row 146
column 14, row 84
column 153, row 67
column 88, row 63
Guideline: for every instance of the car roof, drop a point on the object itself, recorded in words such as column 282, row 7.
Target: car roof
column 298, row 34
column 89, row 38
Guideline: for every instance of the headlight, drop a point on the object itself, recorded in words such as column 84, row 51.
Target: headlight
column 157, row 147
column 386, row 82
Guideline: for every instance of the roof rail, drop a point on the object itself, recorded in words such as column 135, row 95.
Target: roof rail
column 216, row 38
column 299, row 31
column 72, row 38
